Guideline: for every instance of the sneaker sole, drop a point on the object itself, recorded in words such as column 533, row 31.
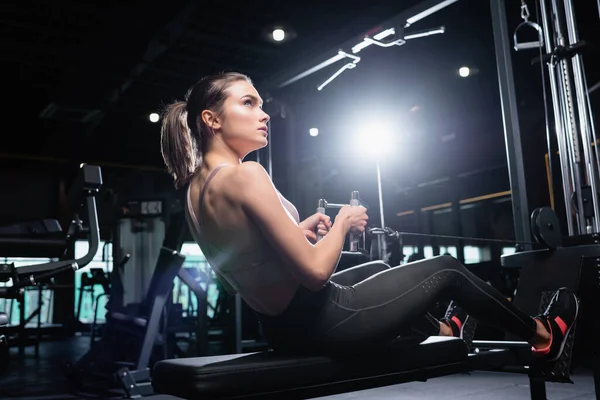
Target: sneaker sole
column 467, row 333
column 566, row 336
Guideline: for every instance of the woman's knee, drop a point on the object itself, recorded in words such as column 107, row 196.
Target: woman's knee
column 447, row 261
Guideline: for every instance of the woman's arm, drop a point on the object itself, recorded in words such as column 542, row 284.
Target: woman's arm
column 313, row 265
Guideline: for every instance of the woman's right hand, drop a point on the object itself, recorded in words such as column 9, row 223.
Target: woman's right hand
column 353, row 217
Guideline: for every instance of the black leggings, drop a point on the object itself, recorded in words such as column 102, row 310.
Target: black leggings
column 372, row 303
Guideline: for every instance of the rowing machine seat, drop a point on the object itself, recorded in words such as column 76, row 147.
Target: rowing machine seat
column 268, row 374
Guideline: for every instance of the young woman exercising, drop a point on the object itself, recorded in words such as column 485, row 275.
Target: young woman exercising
column 257, row 246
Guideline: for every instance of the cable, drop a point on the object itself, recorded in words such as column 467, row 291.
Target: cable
column 545, row 95
column 398, row 234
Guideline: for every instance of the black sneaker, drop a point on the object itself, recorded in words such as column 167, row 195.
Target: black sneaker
column 558, row 318
column 461, row 323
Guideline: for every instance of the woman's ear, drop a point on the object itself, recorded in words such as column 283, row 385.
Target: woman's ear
column 211, row 120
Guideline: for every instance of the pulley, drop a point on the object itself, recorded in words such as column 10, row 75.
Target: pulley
column 545, row 227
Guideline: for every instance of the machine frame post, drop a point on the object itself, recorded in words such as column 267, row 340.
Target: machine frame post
column 510, row 117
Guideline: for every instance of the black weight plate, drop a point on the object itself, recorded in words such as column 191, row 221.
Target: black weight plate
column 534, row 227
column 548, row 228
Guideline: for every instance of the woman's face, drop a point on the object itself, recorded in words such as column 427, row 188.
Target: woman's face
column 243, row 122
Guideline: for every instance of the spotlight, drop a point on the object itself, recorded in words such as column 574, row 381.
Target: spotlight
column 154, row 117
column 278, row 34
column 313, row 132
column 376, row 140
column 464, row 72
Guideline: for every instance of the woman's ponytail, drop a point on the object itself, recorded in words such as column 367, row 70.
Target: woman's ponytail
column 183, row 135
column 179, row 149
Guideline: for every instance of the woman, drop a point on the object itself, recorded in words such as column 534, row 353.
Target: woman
column 253, row 239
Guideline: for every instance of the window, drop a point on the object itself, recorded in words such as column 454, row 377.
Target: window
column 450, row 250
column 474, row 254
column 90, row 294
column 428, row 251
column 509, row 250
column 408, row 251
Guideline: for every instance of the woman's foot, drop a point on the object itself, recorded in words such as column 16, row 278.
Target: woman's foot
column 554, row 325
column 461, row 324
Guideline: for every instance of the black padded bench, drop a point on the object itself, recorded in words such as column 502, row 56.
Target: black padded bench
column 268, row 375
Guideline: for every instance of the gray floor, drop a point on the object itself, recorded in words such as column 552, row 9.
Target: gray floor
column 41, row 378
column 478, row 385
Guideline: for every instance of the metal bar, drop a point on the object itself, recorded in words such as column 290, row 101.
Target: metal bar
column 404, row 19
column 537, row 389
column 573, row 142
column 565, row 166
column 584, row 122
column 380, row 195
column 512, row 134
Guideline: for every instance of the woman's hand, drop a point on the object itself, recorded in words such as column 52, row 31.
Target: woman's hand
column 354, row 218
column 316, row 224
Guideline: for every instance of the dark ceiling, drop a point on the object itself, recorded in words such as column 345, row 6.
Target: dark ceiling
column 83, row 77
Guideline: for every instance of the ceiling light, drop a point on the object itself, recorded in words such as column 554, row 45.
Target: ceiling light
column 464, row 72
column 278, row 34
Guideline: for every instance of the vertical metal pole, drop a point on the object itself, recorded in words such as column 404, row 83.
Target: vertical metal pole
column 565, row 166
column 382, row 241
column 573, row 142
column 512, row 134
column 380, row 195
column 584, row 122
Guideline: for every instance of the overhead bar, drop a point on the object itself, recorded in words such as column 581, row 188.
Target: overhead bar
column 394, row 25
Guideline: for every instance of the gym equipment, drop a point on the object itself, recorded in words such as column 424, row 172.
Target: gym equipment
column 133, row 337
column 574, row 127
column 42, row 239
column 536, row 44
column 271, row 375
column 3, row 342
column 264, row 375
column 578, row 252
column 357, row 253
column 545, row 227
column 139, row 233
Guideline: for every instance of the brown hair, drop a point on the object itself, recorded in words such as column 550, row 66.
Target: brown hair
column 183, row 134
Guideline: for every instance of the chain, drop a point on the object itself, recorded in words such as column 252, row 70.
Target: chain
column 524, row 11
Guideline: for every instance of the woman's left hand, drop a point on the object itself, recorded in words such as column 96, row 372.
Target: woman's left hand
column 316, row 224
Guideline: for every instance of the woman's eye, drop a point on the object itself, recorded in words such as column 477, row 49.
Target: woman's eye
column 248, row 102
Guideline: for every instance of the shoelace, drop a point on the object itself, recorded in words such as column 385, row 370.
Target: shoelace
column 552, row 303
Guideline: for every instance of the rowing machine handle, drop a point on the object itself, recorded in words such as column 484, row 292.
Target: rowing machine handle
column 321, row 208
column 354, row 237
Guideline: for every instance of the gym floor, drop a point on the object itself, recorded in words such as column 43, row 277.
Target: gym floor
column 42, row 379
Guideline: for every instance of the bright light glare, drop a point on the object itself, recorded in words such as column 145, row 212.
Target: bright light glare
column 464, row 71
column 313, row 132
column 278, row 35
column 376, row 140
column 154, row 117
